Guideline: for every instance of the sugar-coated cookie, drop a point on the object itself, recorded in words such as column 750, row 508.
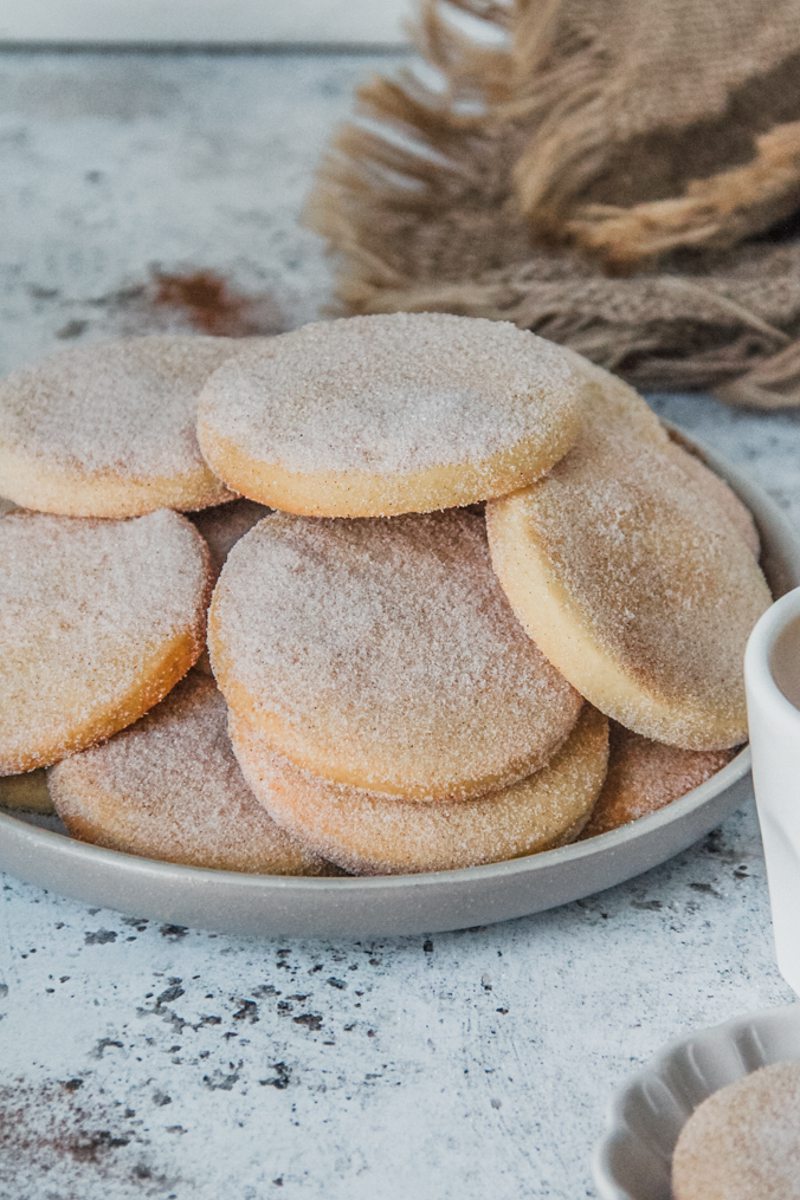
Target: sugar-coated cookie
column 620, row 402
column 98, row 620
column 169, row 788
column 641, row 594
column 644, row 776
column 383, row 654
column 611, row 399
column 743, row 1142
column 716, row 492
column 380, row 415
column 28, row 793
column 108, row 430
column 368, row 834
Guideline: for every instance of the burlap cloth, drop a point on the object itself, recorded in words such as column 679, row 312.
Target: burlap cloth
column 619, row 175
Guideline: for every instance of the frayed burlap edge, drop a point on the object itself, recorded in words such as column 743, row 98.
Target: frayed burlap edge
column 719, row 212
column 410, row 173
column 567, row 97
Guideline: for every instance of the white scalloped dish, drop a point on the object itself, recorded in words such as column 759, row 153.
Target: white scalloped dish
column 633, row 1160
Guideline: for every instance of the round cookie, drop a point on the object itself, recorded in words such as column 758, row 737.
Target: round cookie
column 368, row 834
column 98, row 620
column 716, row 492
column 169, row 788
column 108, row 429
column 612, row 399
column 743, row 1142
column 620, row 402
column 641, row 594
column 383, row 654
column 381, row 415
column 221, row 528
column 644, row 776
column 27, row 793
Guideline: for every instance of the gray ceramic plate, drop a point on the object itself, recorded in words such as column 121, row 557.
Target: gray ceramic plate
column 406, row 904
column 633, row 1160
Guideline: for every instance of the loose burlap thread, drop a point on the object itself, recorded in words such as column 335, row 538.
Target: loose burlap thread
column 622, row 176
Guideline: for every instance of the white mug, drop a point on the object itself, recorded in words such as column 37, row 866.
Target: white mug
column 772, row 678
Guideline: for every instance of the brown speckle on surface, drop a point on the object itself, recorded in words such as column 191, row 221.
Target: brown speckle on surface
column 280, row 1080
column 72, row 329
column 197, row 299
column 312, row 1021
column 55, row 1143
column 174, row 933
column 99, row 937
column 211, row 304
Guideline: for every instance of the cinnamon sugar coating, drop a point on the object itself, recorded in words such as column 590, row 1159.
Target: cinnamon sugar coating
column 383, row 654
column 368, row 834
column 644, row 776
column 169, row 788
column 640, row 592
column 618, row 402
column 380, row 415
column 716, row 492
column 98, row 621
column 743, row 1142
column 612, row 401
column 108, row 429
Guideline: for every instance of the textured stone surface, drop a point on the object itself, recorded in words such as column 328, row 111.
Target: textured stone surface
column 143, row 1061
column 206, row 22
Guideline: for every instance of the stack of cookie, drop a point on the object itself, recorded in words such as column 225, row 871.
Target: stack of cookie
column 486, row 548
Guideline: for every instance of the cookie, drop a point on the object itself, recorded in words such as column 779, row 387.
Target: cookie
column 743, row 1142
column 368, row 834
column 716, row 492
column 108, row 430
column 638, row 591
column 610, row 398
column 221, row 528
column 620, row 402
column 98, row 620
column 381, row 415
column 28, row 793
column 644, row 776
column 382, row 654
column 169, row 788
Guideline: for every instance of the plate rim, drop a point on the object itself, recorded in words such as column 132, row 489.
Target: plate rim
column 684, row 806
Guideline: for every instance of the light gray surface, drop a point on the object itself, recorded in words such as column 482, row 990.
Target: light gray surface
column 204, row 22
column 466, row 1065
